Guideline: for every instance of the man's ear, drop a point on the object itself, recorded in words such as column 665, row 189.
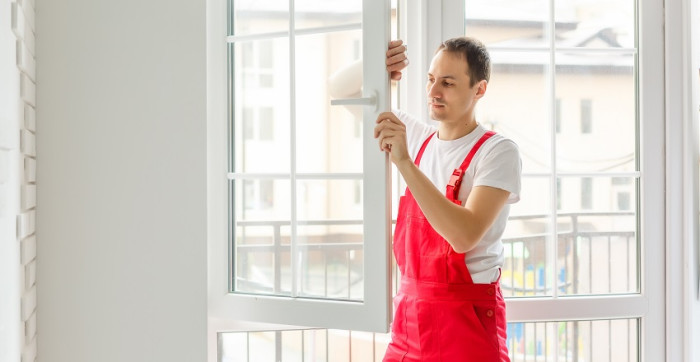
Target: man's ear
column 480, row 89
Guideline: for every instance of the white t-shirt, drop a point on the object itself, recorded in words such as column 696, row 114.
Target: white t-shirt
column 496, row 164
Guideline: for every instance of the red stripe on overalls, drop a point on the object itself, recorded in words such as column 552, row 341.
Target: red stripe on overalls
column 440, row 314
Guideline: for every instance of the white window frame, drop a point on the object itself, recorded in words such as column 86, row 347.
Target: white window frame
column 231, row 311
column 649, row 304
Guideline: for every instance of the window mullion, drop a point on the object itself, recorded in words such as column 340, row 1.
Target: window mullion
column 552, row 251
column 292, row 152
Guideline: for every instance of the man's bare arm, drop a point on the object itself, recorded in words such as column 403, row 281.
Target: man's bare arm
column 462, row 226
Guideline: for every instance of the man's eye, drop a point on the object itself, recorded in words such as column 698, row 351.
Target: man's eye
column 446, row 84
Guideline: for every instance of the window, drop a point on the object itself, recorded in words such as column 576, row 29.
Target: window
column 306, row 222
column 586, row 116
column 583, row 280
column 623, row 201
column 258, row 123
column 586, row 193
column 578, row 253
column 559, row 193
column 557, row 116
column 258, row 195
column 257, row 63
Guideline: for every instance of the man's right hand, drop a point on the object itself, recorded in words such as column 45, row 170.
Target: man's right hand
column 396, row 58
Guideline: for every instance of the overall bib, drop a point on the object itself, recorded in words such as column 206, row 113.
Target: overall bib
column 440, row 314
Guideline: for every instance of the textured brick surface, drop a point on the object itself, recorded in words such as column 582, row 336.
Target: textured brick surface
column 25, row 60
column 30, row 327
column 28, row 143
column 28, row 249
column 19, row 25
column 30, row 275
column 26, row 224
column 29, row 353
column 28, row 304
column 28, row 197
column 29, row 170
column 27, row 90
column 29, row 118
column 18, row 170
column 28, row 9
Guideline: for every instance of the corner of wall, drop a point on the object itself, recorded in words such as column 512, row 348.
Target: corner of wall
column 23, row 26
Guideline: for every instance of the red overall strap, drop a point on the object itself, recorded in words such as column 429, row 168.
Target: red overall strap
column 422, row 148
column 456, row 178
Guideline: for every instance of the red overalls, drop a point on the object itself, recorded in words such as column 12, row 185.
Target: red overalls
column 440, row 314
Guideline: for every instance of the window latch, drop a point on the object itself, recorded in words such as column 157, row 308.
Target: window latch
column 371, row 100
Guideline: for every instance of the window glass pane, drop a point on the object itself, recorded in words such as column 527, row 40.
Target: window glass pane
column 266, row 124
column 598, row 108
column 262, row 345
column 261, row 200
column 361, row 347
column 615, row 340
column 598, row 248
column 327, row 68
column 260, row 109
column 261, row 233
column 603, row 340
column 331, row 262
column 330, row 239
column 595, row 24
column 586, row 116
column 315, row 343
column 557, row 115
column 314, row 14
column 262, row 259
column 234, row 347
column 328, row 200
column 507, row 23
column 255, row 17
column 586, row 193
column 516, row 105
column 525, row 241
column 292, row 345
column 322, row 223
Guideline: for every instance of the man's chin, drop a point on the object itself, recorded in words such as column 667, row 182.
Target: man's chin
column 435, row 116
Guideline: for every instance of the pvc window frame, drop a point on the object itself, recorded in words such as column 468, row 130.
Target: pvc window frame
column 649, row 305
column 228, row 311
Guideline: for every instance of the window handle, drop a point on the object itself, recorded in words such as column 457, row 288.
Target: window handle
column 371, row 100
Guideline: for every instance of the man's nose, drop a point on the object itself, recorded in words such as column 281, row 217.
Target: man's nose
column 433, row 91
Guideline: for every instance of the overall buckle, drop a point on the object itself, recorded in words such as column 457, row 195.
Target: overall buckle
column 453, row 185
column 456, row 178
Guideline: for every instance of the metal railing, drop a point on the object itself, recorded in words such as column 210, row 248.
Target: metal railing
column 579, row 244
column 525, row 256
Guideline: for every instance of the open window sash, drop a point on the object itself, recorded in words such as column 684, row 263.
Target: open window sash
column 229, row 308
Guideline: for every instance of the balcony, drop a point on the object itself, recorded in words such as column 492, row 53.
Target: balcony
column 594, row 255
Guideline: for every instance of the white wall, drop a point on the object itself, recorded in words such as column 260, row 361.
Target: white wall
column 17, row 182
column 121, row 147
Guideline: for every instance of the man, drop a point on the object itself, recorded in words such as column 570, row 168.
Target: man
column 461, row 179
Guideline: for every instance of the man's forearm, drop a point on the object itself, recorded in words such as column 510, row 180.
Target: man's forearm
column 457, row 224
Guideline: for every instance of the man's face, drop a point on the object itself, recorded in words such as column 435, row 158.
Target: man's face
column 450, row 98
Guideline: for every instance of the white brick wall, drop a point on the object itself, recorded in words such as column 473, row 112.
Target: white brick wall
column 18, row 242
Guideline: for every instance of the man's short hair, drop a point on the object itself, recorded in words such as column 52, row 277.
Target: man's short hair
column 474, row 52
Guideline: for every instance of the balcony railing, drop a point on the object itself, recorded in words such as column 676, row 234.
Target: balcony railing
column 594, row 255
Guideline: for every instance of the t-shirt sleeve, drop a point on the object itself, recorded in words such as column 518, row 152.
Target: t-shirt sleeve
column 501, row 168
column 416, row 132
